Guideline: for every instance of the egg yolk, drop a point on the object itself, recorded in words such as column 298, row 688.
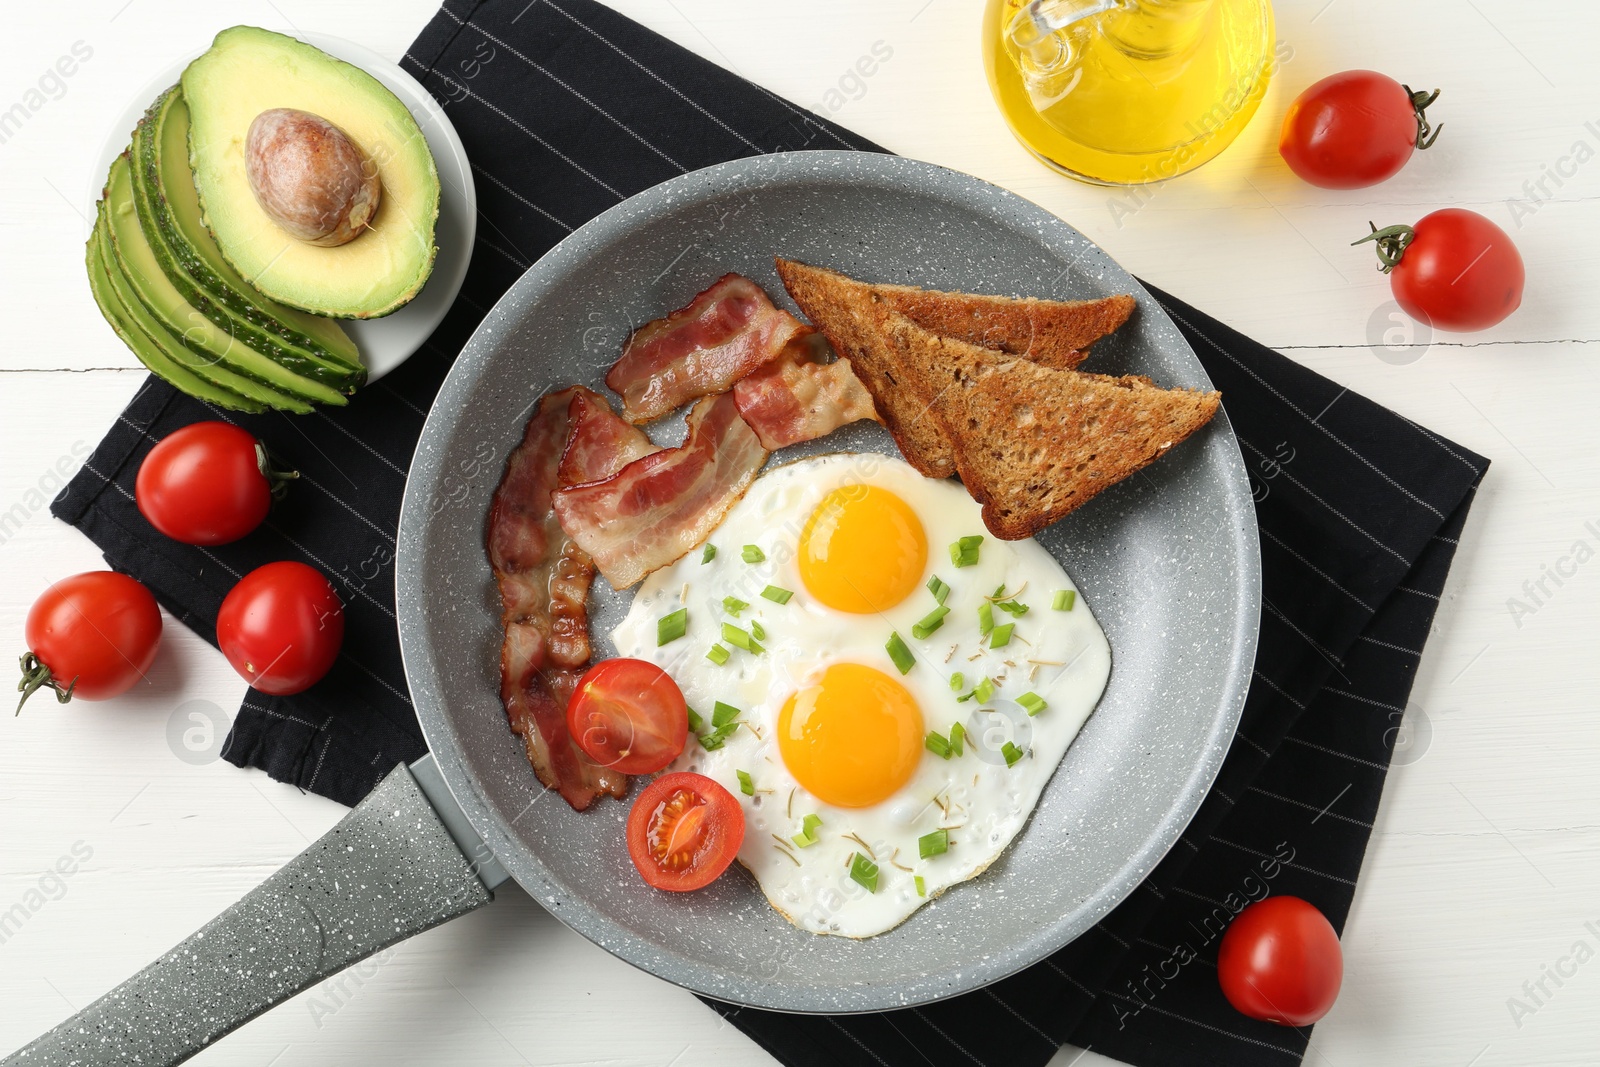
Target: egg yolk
column 863, row 550
column 853, row 738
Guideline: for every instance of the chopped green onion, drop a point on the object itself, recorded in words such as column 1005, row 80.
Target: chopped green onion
column 671, row 627
column 922, row 887
column 864, row 872
column 733, row 605
column 713, row 739
column 964, row 553
column 930, row 622
column 758, row 631
column 958, row 734
column 983, row 691
column 933, row 844
column 1064, row 599
column 957, row 681
column 753, row 554
column 936, row 744
column 899, row 653
column 1012, row 607
column 747, row 785
column 938, row 588
column 1002, row 635
column 776, row 595
column 740, row 639
column 1011, row 752
column 1032, row 702
column 709, row 554
column 808, row 831
column 717, row 654
column 724, row 722
column 985, row 618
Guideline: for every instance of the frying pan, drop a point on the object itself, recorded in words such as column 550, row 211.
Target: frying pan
column 1168, row 561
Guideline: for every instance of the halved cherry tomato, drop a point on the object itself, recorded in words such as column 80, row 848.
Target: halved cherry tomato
column 1355, row 129
column 90, row 636
column 1280, row 961
column 1454, row 270
column 628, row 714
column 683, row 831
column 208, row 483
column 281, row 627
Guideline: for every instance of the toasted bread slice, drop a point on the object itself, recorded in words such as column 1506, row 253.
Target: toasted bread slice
column 850, row 316
column 850, row 313
column 1056, row 333
column 1053, row 333
column 1033, row 443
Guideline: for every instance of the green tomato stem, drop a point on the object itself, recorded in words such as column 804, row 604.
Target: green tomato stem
column 36, row 676
column 278, row 478
column 1419, row 104
column 1392, row 242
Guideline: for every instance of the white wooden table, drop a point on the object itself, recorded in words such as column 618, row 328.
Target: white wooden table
column 1485, row 864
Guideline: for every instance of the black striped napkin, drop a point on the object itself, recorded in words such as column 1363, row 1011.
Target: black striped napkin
column 567, row 107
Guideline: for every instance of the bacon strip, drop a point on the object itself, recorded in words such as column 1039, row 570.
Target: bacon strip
column 544, row 583
column 599, row 443
column 658, row 508
column 799, row 397
column 703, row 348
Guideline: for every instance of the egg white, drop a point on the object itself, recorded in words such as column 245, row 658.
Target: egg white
column 1061, row 656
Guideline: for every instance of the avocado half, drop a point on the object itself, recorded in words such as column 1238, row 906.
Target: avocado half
column 249, row 70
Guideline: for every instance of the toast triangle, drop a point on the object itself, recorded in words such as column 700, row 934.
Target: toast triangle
column 1032, row 443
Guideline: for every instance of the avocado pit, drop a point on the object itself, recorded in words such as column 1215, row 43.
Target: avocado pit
column 310, row 177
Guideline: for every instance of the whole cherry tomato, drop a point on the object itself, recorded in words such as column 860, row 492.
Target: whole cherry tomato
column 628, row 714
column 1355, row 129
column 1280, row 962
column 1454, row 270
column 683, row 831
column 90, row 636
column 281, row 627
column 208, row 483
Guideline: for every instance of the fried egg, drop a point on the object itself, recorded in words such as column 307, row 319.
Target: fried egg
column 883, row 750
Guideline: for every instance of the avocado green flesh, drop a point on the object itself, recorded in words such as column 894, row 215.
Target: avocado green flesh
column 248, row 71
column 169, row 211
column 166, row 304
column 158, row 361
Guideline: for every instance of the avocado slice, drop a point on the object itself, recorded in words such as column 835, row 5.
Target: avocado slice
column 149, row 337
column 150, row 285
column 248, row 71
column 169, row 212
column 158, row 360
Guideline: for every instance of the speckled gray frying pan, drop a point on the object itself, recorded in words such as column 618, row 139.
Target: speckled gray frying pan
column 1168, row 560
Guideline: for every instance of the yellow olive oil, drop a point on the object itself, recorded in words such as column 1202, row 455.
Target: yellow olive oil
column 1128, row 91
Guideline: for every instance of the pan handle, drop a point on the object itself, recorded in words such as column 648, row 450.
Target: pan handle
column 388, row 870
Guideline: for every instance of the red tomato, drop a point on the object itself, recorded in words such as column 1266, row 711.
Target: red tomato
column 1280, row 961
column 281, row 627
column 91, row 635
column 683, row 831
column 630, row 715
column 1454, row 270
column 207, row 484
column 1355, row 129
